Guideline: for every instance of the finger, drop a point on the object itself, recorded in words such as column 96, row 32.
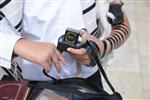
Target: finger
column 85, row 57
column 49, row 61
column 81, row 51
column 62, row 59
column 56, row 63
column 84, row 62
column 46, row 67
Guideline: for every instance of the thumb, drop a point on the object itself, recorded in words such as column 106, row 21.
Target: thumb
column 80, row 51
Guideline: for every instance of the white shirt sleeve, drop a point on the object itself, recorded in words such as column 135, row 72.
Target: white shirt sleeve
column 8, row 38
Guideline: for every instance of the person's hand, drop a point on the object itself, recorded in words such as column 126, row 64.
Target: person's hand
column 40, row 53
column 81, row 56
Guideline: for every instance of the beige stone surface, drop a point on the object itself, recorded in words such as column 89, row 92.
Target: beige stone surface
column 127, row 83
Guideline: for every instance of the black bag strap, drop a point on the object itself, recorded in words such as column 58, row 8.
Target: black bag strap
column 95, row 55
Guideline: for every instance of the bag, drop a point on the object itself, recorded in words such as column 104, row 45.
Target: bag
column 80, row 88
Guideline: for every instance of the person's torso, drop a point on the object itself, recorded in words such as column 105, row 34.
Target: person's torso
column 47, row 20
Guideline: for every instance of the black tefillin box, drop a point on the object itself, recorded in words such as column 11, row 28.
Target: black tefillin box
column 69, row 39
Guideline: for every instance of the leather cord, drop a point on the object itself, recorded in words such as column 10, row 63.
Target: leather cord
column 54, row 79
column 95, row 54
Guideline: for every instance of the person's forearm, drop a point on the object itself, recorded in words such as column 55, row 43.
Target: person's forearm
column 118, row 36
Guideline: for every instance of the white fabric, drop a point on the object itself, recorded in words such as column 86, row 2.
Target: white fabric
column 8, row 35
column 104, row 27
column 41, row 23
column 13, row 11
column 7, row 47
column 89, row 18
column 103, row 6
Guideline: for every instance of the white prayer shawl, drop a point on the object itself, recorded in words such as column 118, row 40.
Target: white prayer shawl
column 104, row 26
column 10, row 27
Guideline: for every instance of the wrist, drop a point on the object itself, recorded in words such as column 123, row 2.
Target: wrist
column 22, row 47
